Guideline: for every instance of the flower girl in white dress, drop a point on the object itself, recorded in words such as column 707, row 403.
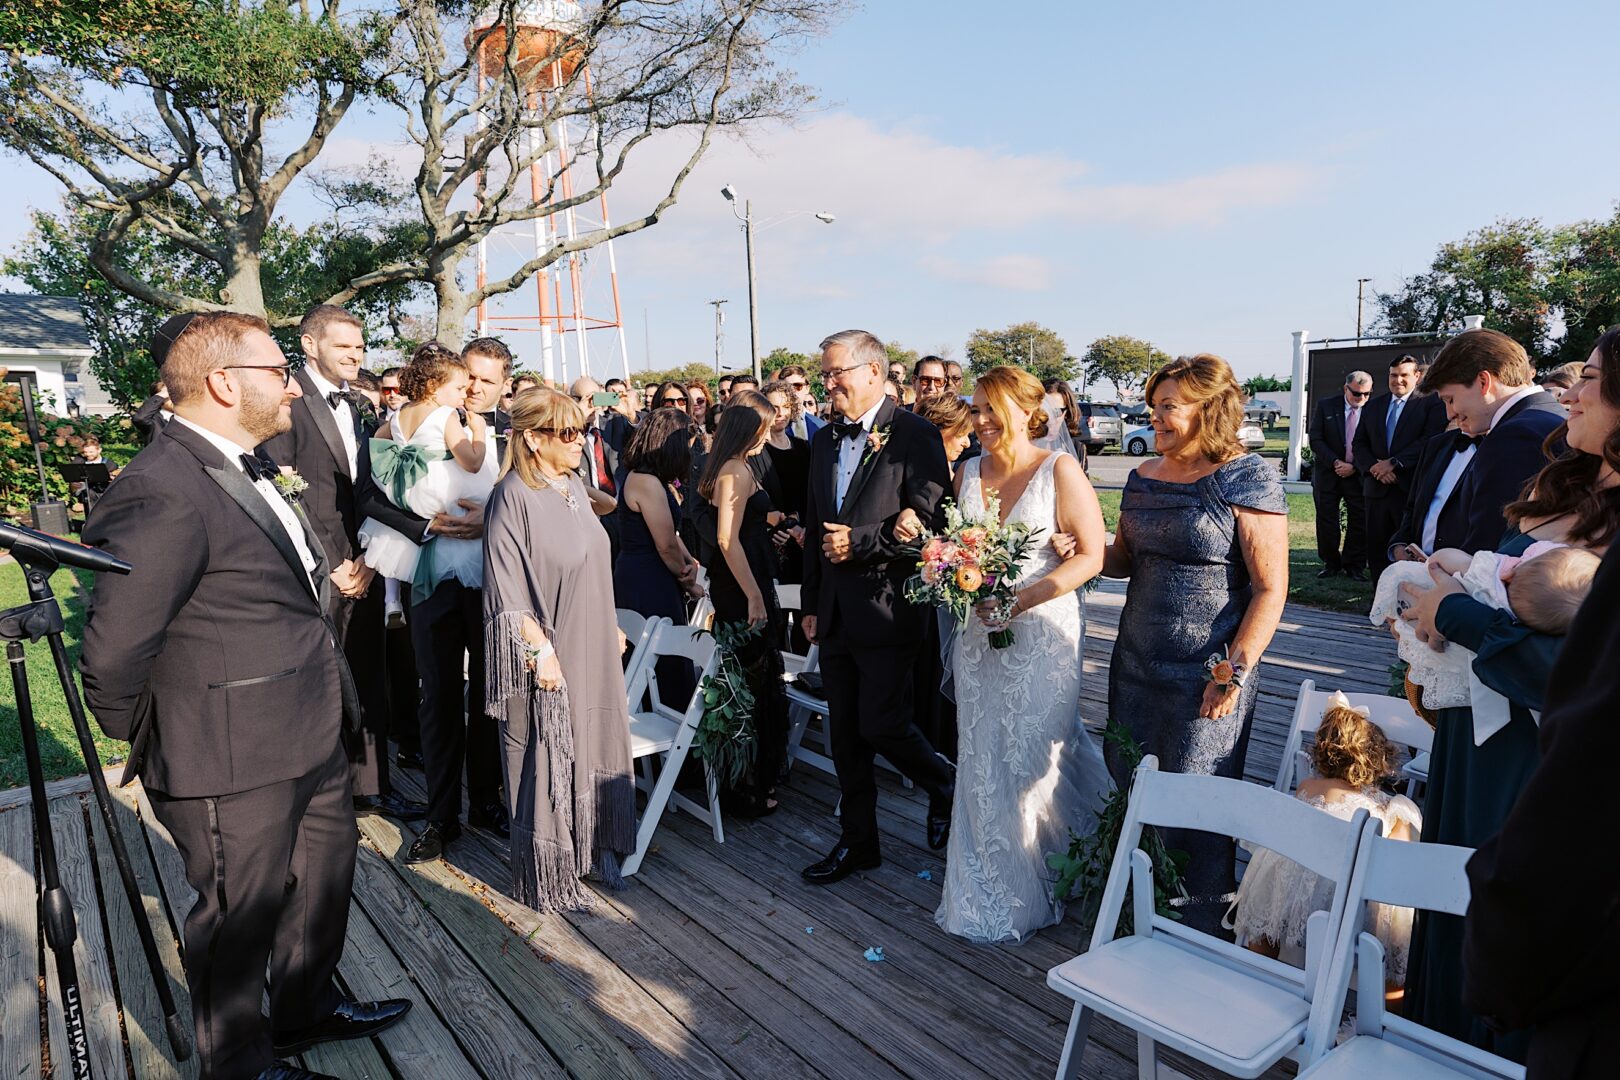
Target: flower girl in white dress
column 427, row 460
column 1348, row 760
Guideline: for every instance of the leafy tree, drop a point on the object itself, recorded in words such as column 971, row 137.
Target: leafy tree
column 167, row 116
column 1028, row 345
column 1124, row 361
column 1585, row 284
column 687, row 373
column 780, row 357
column 299, row 268
column 1501, row 272
column 899, row 354
column 1267, row 384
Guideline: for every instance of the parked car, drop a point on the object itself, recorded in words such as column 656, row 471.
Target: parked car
column 1138, row 441
column 1265, row 413
column 1104, row 424
column 1136, row 414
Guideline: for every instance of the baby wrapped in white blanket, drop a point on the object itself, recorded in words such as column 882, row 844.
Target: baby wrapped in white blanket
column 1541, row 589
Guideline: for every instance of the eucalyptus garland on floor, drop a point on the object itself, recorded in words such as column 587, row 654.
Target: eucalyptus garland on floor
column 1083, row 869
column 725, row 735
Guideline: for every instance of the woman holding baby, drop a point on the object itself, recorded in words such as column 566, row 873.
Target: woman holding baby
column 1510, row 608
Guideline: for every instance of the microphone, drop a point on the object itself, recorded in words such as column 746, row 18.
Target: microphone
column 26, row 542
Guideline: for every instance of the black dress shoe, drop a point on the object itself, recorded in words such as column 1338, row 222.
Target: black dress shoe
column 1356, row 575
column 1328, row 571
column 410, row 759
column 286, row 1070
column 491, row 817
column 400, row 808
column 434, row 839
column 843, row 862
column 350, row 1020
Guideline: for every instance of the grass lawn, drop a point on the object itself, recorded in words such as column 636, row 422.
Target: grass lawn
column 1334, row 594
column 58, row 745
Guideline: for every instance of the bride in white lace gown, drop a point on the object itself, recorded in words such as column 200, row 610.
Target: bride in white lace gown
column 1028, row 772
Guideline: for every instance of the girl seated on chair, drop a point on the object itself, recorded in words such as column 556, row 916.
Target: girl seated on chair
column 1350, row 760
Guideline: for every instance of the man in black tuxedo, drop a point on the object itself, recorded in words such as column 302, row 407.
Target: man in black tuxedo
column 326, row 445
column 216, row 659
column 864, row 471
column 1334, row 480
column 447, row 631
column 1541, row 869
column 1389, row 440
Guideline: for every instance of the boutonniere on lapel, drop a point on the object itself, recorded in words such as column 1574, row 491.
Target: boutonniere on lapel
column 876, row 440
column 291, row 485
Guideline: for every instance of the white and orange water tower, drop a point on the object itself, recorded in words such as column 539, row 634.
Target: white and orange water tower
column 572, row 297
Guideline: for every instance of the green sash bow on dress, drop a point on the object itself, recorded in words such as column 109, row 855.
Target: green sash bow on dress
column 396, row 466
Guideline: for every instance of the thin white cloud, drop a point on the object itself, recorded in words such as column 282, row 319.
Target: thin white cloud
column 1015, row 273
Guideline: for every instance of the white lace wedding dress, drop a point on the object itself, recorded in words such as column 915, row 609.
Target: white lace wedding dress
column 1028, row 772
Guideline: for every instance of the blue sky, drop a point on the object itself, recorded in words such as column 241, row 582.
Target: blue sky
column 1208, row 177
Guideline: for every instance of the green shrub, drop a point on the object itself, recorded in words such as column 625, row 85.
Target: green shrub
column 63, row 436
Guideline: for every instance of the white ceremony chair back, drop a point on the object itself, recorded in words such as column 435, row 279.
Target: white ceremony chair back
column 638, row 629
column 661, row 735
column 1226, row 1006
column 1429, row 877
column 1393, row 716
column 803, row 705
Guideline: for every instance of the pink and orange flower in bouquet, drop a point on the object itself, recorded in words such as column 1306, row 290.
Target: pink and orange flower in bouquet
column 974, row 560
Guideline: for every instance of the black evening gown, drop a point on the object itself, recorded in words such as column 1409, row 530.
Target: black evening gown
column 643, row 584
column 1188, row 594
column 759, row 656
column 788, row 485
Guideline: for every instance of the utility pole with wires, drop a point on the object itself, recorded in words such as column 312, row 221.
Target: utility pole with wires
column 719, row 336
column 1361, row 284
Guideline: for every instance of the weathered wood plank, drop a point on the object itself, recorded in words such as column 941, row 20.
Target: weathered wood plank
column 19, row 947
column 900, row 1018
column 826, row 1050
column 55, row 789
column 149, row 1050
column 100, row 1002
column 354, row 1059
column 572, row 1029
column 419, row 1045
column 449, row 980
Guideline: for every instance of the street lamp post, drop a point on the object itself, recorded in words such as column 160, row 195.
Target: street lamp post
column 747, row 218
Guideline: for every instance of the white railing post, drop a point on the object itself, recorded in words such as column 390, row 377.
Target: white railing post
column 1298, row 409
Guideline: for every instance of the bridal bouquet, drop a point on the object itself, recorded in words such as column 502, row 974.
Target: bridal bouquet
column 974, row 560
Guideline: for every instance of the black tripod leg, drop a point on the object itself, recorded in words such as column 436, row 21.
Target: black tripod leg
column 132, row 890
column 60, row 929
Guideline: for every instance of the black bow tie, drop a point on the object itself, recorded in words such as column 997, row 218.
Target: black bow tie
column 1463, row 440
column 259, row 466
column 852, row 430
column 336, row 398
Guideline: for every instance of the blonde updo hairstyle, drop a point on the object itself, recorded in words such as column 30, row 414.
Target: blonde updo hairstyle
column 537, row 409
column 1351, row 748
column 1007, row 386
column 1205, row 380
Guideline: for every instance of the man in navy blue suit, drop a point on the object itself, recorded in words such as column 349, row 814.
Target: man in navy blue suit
column 1388, row 443
column 1334, row 425
column 1488, row 385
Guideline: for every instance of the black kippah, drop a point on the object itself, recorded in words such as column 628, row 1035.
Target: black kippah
column 167, row 334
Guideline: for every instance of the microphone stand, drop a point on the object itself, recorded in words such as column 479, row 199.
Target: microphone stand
column 40, row 556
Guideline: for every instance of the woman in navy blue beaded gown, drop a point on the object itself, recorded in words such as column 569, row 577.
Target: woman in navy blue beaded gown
column 655, row 574
column 1203, row 537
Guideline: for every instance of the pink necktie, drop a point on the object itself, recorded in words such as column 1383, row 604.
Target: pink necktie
column 1350, row 418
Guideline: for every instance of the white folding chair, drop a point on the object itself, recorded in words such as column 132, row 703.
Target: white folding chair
column 803, row 705
column 1229, row 1007
column 1393, row 716
column 665, row 734
column 638, row 630
column 1430, row 877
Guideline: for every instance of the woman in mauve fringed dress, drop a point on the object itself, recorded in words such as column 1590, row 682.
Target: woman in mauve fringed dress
column 554, row 677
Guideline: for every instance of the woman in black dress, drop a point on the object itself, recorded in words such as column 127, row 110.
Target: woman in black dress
column 655, row 572
column 735, row 535
column 787, row 480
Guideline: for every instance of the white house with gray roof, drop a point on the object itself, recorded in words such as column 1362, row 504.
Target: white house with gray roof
column 45, row 336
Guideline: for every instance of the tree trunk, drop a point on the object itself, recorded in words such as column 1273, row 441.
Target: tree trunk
column 244, row 291
column 454, row 308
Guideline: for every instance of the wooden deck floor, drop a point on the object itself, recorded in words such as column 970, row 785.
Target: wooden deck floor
column 717, row 962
